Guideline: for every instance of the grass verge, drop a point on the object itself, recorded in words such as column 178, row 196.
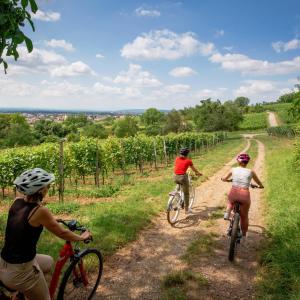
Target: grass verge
column 279, row 276
column 176, row 284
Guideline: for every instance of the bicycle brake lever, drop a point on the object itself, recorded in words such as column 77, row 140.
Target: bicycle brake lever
column 90, row 239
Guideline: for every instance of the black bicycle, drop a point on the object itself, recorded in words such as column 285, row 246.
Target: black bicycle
column 234, row 231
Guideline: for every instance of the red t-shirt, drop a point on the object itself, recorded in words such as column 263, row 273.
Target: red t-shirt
column 181, row 165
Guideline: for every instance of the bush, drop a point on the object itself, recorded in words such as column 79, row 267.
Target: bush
column 282, row 131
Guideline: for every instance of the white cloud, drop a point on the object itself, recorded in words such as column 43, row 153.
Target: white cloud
column 165, row 44
column 135, row 76
column 62, row 89
column 60, row 44
column 228, row 48
column 255, row 87
column 211, row 93
column 47, row 16
column 143, row 12
column 98, row 55
column 246, row 65
column 39, row 57
column 219, row 33
column 15, row 88
column 182, row 72
column 177, row 88
column 283, row 47
column 73, row 69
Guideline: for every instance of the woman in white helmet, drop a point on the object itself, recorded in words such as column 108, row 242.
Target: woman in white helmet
column 21, row 268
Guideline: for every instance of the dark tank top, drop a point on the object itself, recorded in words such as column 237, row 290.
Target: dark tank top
column 20, row 237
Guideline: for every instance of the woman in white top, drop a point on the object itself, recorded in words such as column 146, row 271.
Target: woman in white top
column 241, row 179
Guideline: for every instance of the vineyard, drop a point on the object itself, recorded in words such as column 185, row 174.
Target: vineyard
column 282, row 131
column 254, row 121
column 92, row 158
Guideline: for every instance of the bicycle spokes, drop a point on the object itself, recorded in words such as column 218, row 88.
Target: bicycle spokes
column 83, row 278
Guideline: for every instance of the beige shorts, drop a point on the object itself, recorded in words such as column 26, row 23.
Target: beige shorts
column 28, row 278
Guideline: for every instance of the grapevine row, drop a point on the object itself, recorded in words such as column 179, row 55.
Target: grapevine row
column 89, row 155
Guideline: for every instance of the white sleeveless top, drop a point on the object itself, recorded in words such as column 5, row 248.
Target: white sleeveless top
column 241, row 177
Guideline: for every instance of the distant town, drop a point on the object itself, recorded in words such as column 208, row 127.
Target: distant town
column 34, row 115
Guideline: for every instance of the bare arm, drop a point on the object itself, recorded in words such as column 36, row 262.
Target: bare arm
column 195, row 170
column 256, row 179
column 228, row 175
column 44, row 217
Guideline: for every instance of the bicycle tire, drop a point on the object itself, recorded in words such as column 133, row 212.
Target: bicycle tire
column 173, row 206
column 233, row 239
column 70, row 269
column 192, row 196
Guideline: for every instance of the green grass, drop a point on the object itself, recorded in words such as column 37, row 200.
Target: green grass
column 176, row 284
column 203, row 245
column 254, row 121
column 279, row 276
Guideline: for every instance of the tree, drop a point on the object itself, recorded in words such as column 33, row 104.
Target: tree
column 13, row 15
column 74, row 122
column 15, row 131
column 242, row 101
column 295, row 109
column 46, row 130
column 174, row 122
column 287, row 98
column 126, row 127
column 213, row 115
column 152, row 118
column 96, row 130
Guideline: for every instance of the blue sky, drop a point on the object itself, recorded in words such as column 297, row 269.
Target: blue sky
column 167, row 54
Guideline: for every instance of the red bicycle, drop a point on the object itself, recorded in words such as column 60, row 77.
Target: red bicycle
column 80, row 279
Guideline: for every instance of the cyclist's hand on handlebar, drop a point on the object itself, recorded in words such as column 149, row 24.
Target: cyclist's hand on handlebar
column 226, row 180
column 199, row 174
column 254, row 186
column 86, row 235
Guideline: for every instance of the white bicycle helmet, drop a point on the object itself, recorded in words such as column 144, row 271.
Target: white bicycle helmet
column 31, row 181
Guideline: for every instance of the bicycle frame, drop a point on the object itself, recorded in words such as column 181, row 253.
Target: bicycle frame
column 236, row 210
column 65, row 253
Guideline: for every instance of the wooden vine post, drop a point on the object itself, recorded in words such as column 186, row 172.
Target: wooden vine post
column 97, row 171
column 61, row 187
column 155, row 154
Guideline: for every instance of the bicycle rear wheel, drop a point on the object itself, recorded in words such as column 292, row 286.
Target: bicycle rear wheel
column 192, row 196
column 173, row 208
column 234, row 237
column 82, row 277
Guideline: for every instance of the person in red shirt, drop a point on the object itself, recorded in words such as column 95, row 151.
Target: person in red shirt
column 182, row 163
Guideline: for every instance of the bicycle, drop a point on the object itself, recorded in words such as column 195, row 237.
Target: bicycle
column 81, row 277
column 176, row 200
column 234, row 231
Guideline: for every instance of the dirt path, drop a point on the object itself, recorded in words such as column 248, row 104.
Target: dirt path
column 135, row 271
column 272, row 119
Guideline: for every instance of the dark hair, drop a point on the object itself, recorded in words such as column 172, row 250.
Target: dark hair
column 184, row 151
column 36, row 197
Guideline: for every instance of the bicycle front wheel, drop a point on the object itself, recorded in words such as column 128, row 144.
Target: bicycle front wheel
column 173, row 209
column 82, row 277
column 192, row 196
column 234, row 236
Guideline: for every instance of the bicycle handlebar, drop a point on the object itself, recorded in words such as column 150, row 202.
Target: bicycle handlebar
column 253, row 186
column 73, row 225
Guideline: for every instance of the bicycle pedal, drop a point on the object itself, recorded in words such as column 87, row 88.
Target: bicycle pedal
column 77, row 283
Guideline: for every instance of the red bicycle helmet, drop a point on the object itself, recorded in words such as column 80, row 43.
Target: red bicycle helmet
column 243, row 157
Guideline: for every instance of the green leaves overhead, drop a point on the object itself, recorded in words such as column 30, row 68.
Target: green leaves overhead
column 13, row 16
